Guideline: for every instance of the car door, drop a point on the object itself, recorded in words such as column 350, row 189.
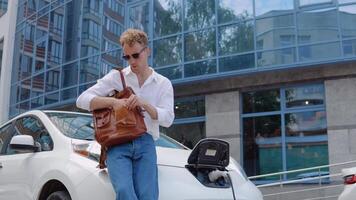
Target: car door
column 20, row 167
column 9, row 186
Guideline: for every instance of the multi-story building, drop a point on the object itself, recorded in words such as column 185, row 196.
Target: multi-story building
column 275, row 78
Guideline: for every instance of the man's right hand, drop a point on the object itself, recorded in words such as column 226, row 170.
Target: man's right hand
column 118, row 103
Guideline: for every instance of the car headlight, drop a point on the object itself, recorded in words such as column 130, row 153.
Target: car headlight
column 86, row 150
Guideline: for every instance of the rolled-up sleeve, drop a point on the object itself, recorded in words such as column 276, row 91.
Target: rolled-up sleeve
column 165, row 107
column 103, row 87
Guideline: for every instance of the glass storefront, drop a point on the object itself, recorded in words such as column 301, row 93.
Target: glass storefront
column 286, row 126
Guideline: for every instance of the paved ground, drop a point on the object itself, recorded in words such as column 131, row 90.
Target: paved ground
column 303, row 191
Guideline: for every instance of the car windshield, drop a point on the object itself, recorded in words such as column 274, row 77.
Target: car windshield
column 80, row 126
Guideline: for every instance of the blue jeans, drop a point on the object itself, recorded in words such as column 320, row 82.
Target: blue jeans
column 133, row 169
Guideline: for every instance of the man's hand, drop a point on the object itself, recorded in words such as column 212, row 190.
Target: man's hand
column 118, row 103
column 134, row 101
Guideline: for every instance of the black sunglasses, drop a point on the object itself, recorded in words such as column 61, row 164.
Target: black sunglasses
column 135, row 55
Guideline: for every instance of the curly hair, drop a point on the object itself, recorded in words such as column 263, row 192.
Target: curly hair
column 131, row 36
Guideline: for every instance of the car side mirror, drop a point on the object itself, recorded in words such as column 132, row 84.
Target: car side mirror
column 24, row 143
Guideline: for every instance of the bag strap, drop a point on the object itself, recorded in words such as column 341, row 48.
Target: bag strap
column 122, row 79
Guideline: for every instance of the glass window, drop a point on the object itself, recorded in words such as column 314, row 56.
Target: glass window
column 89, row 69
column 37, row 85
column 293, row 138
column 239, row 62
column 319, row 51
column 112, row 26
column 115, row 6
column 306, row 140
column 110, row 60
column 42, row 4
column 52, row 80
column 29, row 38
column 54, row 55
column 304, row 96
column 70, row 93
column 272, row 7
column 275, row 32
column 24, row 106
column 317, row 25
column 69, row 75
column 91, row 30
column 261, row 101
column 89, row 48
column 199, row 14
column 200, row 68
column 20, row 11
column 25, row 66
column 56, row 22
column 15, row 94
column 276, row 57
column 31, row 9
column 200, row 45
column 139, row 17
column 189, row 107
column 313, row 2
column 167, row 51
column 167, row 17
column 73, row 125
column 5, row 135
column 42, row 26
column 234, row 10
column 346, row 1
column 236, row 38
column 262, row 143
column 171, row 73
column 37, row 102
column 51, row 98
column 108, row 45
column 25, row 89
column 349, row 47
column 13, row 111
column 188, row 134
column 91, row 6
column 71, row 42
column 347, row 21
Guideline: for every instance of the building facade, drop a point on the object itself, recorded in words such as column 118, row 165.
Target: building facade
column 277, row 78
column 7, row 32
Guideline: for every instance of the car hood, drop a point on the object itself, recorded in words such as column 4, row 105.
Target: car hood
column 165, row 156
column 172, row 157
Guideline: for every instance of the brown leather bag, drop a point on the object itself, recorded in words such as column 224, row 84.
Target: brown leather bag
column 114, row 127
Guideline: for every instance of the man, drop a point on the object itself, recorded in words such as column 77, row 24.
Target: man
column 133, row 166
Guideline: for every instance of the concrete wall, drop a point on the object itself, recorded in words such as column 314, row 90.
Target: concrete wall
column 7, row 33
column 341, row 119
column 223, row 119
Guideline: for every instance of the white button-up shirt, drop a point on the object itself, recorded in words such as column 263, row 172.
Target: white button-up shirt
column 156, row 90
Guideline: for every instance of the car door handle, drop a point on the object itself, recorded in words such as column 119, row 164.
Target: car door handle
column 0, row 165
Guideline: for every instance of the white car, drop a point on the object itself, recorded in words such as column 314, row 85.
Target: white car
column 349, row 192
column 52, row 155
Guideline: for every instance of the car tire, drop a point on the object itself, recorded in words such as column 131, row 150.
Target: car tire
column 59, row 195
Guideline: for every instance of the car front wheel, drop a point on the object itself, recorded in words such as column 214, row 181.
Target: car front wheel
column 59, row 195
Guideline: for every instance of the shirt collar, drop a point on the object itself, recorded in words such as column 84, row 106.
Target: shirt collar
column 127, row 72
